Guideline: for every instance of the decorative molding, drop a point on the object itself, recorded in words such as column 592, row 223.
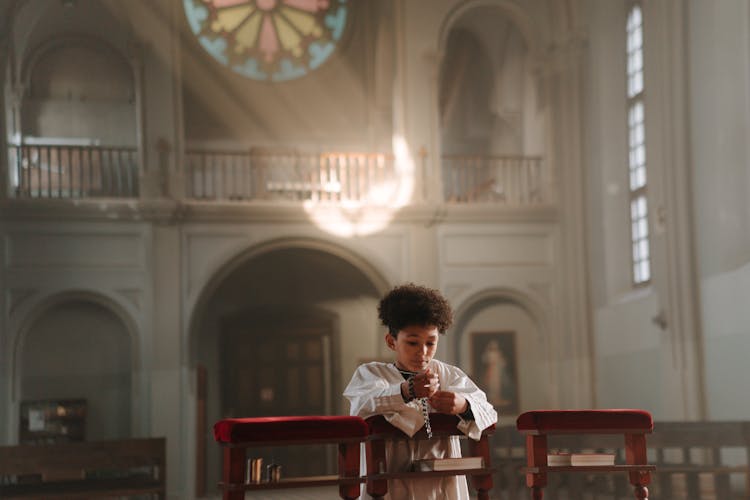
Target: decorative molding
column 171, row 212
column 133, row 295
column 74, row 249
column 497, row 250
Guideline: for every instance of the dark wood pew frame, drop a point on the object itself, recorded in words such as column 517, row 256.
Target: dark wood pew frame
column 68, row 470
column 377, row 481
column 706, row 440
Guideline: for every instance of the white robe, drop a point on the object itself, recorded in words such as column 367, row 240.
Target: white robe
column 375, row 389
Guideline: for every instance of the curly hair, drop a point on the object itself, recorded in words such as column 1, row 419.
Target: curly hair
column 411, row 304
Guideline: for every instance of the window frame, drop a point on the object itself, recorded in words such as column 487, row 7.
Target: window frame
column 636, row 142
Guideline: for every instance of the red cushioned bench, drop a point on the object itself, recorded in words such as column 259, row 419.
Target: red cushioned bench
column 442, row 425
column 237, row 434
column 632, row 424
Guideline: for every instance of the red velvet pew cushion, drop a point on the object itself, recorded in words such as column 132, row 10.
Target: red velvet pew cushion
column 439, row 422
column 592, row 420
column 258, row 429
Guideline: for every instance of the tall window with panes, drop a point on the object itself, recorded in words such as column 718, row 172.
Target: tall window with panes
column 639, row 231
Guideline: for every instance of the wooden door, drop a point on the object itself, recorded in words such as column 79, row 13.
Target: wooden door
column 281, row 370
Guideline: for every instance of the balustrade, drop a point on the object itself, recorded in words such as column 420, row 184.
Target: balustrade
column 503, row 180
column 334, row 177
column 62, row 171
column 65, row 171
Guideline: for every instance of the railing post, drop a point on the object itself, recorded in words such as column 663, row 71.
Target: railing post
column 424, row 177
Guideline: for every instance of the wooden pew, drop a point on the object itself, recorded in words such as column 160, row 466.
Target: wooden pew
column 237, row 435
column 442, row 425
column 85, row 469
column 694, row 460
column 699, row 458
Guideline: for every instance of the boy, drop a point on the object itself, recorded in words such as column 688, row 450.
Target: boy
column 413, row 386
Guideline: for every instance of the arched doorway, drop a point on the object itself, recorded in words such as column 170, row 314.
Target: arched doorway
column 279, row 334
column 77, row 351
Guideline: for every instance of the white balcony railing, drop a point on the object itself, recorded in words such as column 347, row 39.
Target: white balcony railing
column 62, row 171
column 503, row 180
column 83, row 171
column 341, row 177
column 325, row 177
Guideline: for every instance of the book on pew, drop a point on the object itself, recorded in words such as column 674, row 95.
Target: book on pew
column 580, row 459
column 459, row 463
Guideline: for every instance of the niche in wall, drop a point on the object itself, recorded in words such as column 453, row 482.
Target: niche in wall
column 517, row 333
column 78, row 349
column 81, row 89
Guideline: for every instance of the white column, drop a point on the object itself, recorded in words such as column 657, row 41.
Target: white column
column 574, row 339
column 167, row 415
column 160, row 98
column 675, row 277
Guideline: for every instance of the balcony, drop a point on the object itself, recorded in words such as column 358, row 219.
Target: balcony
column 49, row 171
column 74, row 172
column 513, row 181
column 289, row 176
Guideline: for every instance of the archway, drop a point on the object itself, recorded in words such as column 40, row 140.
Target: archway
column 79, row 89
column 491, row 118
column 500, row 339
column 79, row 351
column 279, row 331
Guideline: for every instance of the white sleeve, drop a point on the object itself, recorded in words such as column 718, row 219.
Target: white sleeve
column 484, row 413
column 369, row 393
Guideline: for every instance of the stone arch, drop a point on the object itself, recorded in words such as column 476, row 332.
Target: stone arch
column 531, row 363
column 495, row 102
column 234, row 262
column 38, row 312
column 29, row 27
column 516, row 14
column 32, row 58
column 234, row 308
column 483, row 298
column 68, row 81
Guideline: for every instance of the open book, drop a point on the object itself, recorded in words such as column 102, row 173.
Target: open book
column 578, row 459
column 448, row 463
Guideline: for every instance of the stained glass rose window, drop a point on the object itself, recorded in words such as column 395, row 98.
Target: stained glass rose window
column 273, row 40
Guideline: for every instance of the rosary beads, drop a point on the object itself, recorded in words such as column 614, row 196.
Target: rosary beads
column 422, row 401
column 426, row 415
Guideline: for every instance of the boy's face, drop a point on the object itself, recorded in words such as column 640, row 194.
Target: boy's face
column 414, row 346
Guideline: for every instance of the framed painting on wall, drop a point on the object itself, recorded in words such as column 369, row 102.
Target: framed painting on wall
column 495, row 368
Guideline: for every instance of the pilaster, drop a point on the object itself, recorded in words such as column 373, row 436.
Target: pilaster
column 675, row 272
column 167, row 419
column 157, row 66
column 564, row 83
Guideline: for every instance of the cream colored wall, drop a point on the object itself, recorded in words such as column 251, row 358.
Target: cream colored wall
column 627, row 342
column 533, row 369
column 105, row 263
column 697, row 121
column 512, row 264
column 720, row 102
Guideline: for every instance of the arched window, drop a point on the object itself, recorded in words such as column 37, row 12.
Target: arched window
column 641, row 260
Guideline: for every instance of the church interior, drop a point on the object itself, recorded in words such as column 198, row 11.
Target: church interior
column 202, row 202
